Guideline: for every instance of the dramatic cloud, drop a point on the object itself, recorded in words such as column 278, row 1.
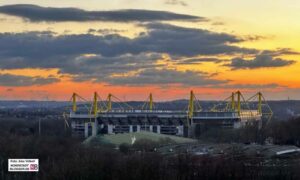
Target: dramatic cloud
column 115, row 59
column 45, row 50
column 17, row 80
column 37, row 13
column 98, row 68
column 260, row 61
column 176, row 2
column 166, row 77
column 133, row 70
column 182, row 41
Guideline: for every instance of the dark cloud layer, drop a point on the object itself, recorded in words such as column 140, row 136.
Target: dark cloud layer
column 38, row 13
column 98, row 68
column 260, row 61
column 144, row 69
column 183, row 41
column 167, row 77
column 115, row 59
column 45, row 50
column 18, row 80
column 114, row 54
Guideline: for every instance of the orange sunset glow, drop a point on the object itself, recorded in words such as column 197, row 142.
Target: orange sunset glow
column 50, row 49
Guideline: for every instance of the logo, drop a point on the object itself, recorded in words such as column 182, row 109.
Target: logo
column 23, row 165
column 33, row 167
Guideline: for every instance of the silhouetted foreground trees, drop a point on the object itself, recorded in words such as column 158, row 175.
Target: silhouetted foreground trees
column 285, row 132
column 62, row 157
column 281, row 132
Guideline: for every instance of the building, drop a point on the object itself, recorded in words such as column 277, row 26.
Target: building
column 103, row 119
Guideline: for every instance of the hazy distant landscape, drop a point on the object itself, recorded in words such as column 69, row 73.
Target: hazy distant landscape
column 282, row 109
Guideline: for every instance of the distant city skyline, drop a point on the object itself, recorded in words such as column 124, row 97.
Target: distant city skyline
column 50, row 49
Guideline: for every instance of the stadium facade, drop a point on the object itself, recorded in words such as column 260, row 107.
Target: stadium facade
column 101, row 118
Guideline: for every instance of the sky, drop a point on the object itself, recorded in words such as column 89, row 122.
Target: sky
column 130, row 48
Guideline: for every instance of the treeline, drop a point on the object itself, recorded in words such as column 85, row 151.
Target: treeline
column 63, row 157
column 285, row 132
column 282, row 132
column 275, row 131
column 25, row 127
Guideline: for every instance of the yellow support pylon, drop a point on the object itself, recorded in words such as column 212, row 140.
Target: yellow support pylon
column 109, row 106
column 95, row 104
column 239, row 102
column 233, row 101
column 259, row 102
column 191, row 105
column 74, row 105
column 150, row 102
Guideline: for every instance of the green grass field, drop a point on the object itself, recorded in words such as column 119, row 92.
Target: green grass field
column 118, row 139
